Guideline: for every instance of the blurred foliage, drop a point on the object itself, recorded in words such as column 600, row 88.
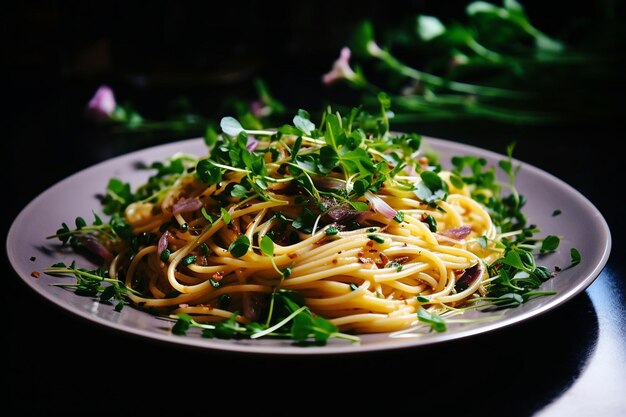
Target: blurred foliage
column 492, row 65
column 185, row 121
column 495, row 65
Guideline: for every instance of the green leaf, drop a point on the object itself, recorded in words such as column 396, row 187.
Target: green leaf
column 305, row 221
column 255, row 163
column 513, row 258
column 328, row 157
column 240, row 246
column 182, row 324
column 296, row 147
column 436, row 322
column 333, row 133
column 210, row 137
column 231, row 126
column 289, row 130
column 550, row 243
column 227, row 328
column 188, row 260
column 429, row 27
column 376, row 238
column 432, row 180
column 323, row 329
column 239, row 191
column 267, row 245
column 308, row 163
column 118, row 196
column 302, row 122
column 97, row 220
column 306, row 182
column 225, row 215
column 510, row 299
column 107, row 293
column 481, row 7
column 360, row 186
column 208, row 173
column 384, row 100
column 119, row 306
column 291, row 298
column 357, row 160
column 359, row 205
column 428, row 196
column 575, row 256
column 331, row 231
column 431, row 222
column 80, row 223
column 206, row 215
column 302, row 326
column 363, row 35
column 457, row 181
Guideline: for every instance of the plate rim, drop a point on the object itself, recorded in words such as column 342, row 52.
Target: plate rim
column 255, row 347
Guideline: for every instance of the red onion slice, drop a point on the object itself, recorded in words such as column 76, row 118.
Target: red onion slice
column 328, row 183
column 457, row 232
column 94, row 246
column 163, row 241
column 186, row 205
column 469, row 276
column 363, row 215
column 252, row 306
column 252, row 144
column 379, row 205
column 342, row 214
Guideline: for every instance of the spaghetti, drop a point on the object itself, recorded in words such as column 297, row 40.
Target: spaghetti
column 363, row 270
column 351, row 225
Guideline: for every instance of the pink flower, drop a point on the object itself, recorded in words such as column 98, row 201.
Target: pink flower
column 341, row 68
column 259, row 109
column 102, row 104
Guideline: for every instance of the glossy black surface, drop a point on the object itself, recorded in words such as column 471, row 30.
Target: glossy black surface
column 571, row 361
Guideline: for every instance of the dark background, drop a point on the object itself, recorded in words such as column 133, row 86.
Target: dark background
column 55, row 55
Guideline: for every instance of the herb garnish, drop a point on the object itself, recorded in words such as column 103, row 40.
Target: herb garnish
column 338, row 174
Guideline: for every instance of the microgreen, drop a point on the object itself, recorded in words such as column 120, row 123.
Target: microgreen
column 436, row 323
column 240, row 246
column 335, row 168
column 231, row 126
column 550, row 243
column 304, row 324
column 92, row 283
column 432, row 189
column 293, row 320
column 267, row 246
column 302, row 122
column 575, row 256
column 99, row 233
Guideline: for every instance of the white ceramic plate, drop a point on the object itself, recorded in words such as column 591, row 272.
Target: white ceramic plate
column 580, row 225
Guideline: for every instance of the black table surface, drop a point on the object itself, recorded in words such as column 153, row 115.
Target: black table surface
column 570, row 361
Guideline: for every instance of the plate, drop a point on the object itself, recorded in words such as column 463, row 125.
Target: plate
column 28, row 250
